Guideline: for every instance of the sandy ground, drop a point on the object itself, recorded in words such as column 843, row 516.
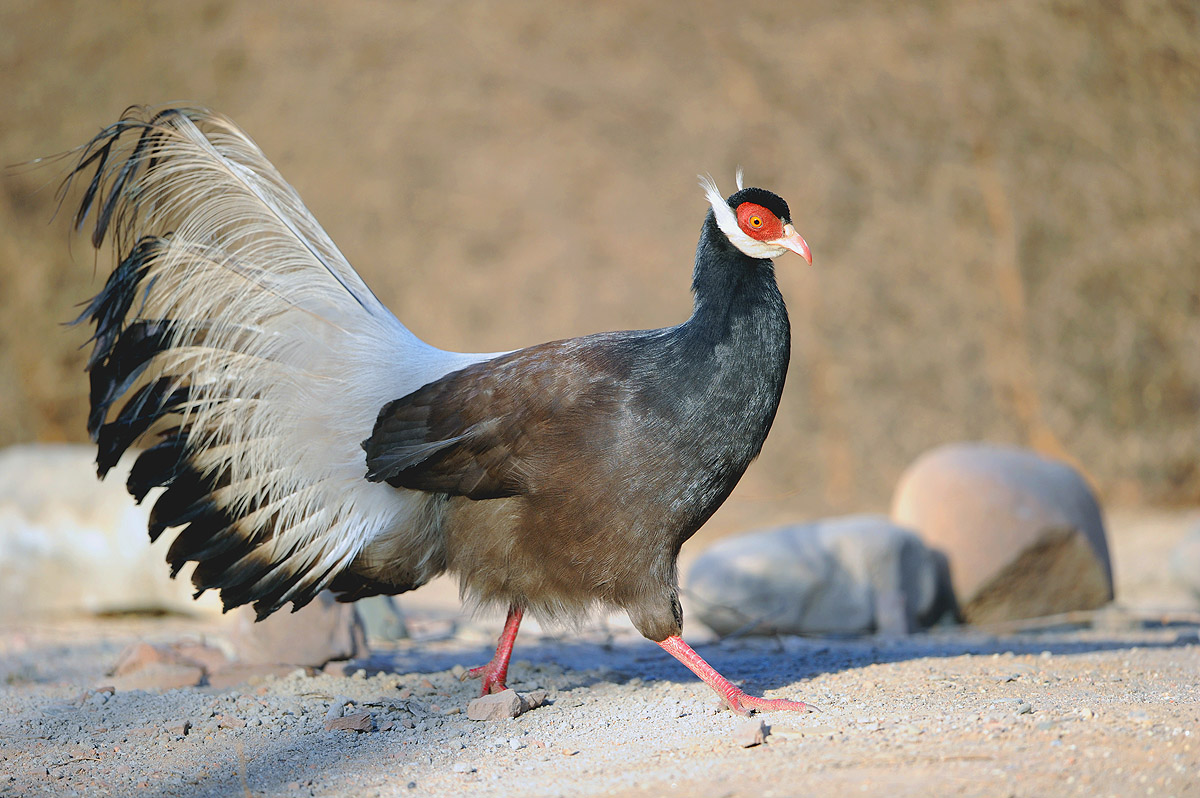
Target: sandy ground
column 1106, row 703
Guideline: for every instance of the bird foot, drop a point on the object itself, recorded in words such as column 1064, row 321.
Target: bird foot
column 493, row 676
column 737, row 700
column 495, row 672
column 745, row 704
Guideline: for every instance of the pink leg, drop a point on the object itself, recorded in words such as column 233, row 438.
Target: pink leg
column 737, row 700
column 496, row 671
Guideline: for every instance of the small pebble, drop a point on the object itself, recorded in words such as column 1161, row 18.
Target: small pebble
column 751, row 733
column 358, row 721
column 179, row 728
column 533, row 699
column 497, row 706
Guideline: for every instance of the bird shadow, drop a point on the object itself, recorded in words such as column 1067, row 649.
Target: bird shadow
column 772, row 662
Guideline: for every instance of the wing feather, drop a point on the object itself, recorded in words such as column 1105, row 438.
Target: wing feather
column 491, row 430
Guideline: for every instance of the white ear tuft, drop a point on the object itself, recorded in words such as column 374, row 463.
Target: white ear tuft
column 739, row 175
column 726, row 218
column 713, row 194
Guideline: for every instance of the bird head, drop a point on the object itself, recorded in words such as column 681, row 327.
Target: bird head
column 755, row 221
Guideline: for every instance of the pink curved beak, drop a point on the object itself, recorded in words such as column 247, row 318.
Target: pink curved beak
column 793, row 241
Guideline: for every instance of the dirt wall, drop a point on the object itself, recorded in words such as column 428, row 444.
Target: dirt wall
column 1003, row 200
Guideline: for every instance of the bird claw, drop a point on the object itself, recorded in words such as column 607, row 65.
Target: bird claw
column 495, row 672
column 734, row 698
column 746, row 705
column 493, row 677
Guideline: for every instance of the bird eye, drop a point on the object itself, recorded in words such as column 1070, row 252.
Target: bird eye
column 758, row 222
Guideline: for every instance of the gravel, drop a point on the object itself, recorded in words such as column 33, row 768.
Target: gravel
column 1089, row 704
column 1065, row 711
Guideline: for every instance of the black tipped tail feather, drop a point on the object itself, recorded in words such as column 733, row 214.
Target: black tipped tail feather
column 246, row 352
column 149, row 404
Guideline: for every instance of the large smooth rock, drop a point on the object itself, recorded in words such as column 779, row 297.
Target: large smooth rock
column 850, row 575
column 1185, row 562
column 70, row 543
column 382, row 618
column 322, row 631
column 1023, row 535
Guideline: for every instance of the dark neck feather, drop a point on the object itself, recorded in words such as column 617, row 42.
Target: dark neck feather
column 732, row 289
column 728, row 365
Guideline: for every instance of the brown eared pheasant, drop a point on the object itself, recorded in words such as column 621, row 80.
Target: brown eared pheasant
column 304, row 439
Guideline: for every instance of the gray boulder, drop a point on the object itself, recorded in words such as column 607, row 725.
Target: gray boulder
column 850, row 575
column 70, row 543
column 382, row 618
column 322, row 631
column 1185, row 563
column 1023, row 535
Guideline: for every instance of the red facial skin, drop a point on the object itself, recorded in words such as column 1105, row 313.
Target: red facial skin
column 758, row 222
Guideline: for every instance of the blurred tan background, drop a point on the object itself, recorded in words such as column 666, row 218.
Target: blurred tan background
column 1002, row 199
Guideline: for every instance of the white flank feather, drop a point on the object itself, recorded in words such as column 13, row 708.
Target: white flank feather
column 287, row 354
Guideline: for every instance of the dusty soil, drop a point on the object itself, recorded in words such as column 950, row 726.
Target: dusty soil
column 1095, row 704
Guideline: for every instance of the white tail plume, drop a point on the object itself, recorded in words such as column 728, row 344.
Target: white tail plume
column 255, row 349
